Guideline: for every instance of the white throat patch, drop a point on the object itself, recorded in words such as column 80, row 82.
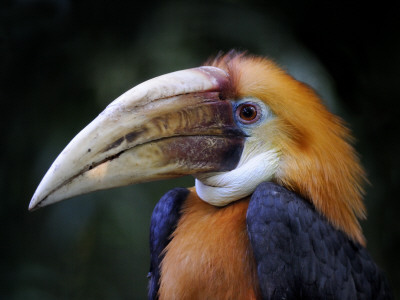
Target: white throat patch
column 222, row 188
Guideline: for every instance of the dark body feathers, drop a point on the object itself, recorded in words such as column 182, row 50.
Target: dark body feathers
column 163, row 222
column 299, row 255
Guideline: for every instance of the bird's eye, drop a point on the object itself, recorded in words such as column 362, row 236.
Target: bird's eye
column 248, row 113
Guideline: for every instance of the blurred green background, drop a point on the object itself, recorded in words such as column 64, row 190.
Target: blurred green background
column 63, row 61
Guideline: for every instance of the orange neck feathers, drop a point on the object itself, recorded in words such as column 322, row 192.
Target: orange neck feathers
column 317, row 159
column 210, row 255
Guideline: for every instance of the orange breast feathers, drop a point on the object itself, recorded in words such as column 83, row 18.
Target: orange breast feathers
column 210, row 255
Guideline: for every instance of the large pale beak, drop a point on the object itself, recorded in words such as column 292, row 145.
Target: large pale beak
column 169, row 126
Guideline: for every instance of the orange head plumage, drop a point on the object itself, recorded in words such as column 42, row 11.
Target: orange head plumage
column 316, row 157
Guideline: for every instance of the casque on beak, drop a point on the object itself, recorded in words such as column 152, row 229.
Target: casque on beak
column 169, row 126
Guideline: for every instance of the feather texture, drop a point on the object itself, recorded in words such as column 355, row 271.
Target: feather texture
column 209, row 255
column 274, row 245
column 317, row 160
column 300, row 255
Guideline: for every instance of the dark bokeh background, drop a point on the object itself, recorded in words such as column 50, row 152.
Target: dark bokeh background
column 63, row 61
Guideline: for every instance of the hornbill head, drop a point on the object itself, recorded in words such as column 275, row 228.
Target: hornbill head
column 233, row 124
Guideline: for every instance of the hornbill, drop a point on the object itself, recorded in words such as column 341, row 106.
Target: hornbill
column 278, row 186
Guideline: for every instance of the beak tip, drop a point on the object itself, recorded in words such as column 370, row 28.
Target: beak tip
column 31, row 208
column 34, row 204
column 37, row 201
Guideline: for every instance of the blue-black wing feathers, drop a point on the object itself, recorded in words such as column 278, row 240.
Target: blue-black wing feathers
column 300, row 255
column 163, row 223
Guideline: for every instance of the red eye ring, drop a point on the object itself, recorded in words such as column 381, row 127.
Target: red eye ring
column 248, row 113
